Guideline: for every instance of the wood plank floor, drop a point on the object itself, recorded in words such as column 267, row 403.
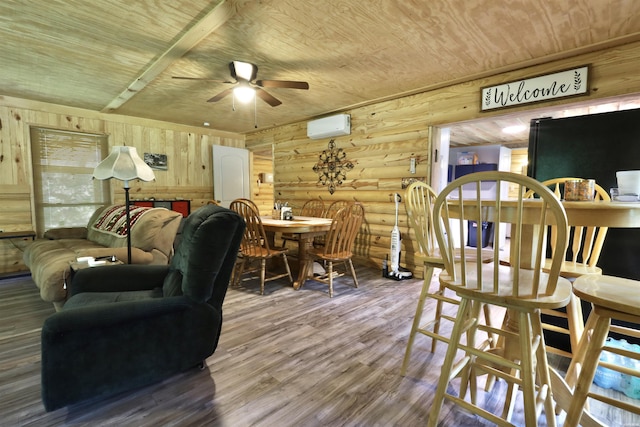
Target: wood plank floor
column 288, row 358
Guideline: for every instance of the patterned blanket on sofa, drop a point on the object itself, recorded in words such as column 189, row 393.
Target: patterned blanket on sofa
column 114, row 220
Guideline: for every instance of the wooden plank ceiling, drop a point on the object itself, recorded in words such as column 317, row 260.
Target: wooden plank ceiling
column 119, row 56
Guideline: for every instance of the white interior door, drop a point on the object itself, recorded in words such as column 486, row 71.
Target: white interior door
column 230, row 174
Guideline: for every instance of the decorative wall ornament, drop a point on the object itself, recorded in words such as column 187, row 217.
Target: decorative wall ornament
column 331, row 167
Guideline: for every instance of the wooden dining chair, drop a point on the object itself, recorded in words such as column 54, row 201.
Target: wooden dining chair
column 330, row 212
column 612, row 298
column 255, row 246
column 338, row 247
column 335, row 206
column 313, row 208
column 521, row 358
column 582, row 254
column 419, row 198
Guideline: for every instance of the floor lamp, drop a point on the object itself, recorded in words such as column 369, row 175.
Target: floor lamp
column 124, row 164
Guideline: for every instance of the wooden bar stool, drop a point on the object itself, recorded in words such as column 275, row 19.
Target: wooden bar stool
column 522, row 361
column 419, row 198
column 583, row 254
column 611, row 298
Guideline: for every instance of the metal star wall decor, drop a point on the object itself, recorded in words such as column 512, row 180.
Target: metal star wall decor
column 331, row 166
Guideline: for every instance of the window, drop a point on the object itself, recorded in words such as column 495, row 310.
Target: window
column 64, row 189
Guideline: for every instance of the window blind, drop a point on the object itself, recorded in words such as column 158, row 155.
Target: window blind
column 64, row 189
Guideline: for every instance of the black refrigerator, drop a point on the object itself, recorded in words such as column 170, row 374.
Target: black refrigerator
column 595, row 147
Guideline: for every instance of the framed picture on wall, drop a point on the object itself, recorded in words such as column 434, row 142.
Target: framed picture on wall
column 156, row 161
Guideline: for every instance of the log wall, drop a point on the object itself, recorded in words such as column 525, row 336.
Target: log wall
column 384, row 136
column 261, row 192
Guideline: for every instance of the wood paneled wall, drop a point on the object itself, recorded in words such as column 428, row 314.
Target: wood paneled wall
column 262, row 192
column 384, row 137
column 188, row 150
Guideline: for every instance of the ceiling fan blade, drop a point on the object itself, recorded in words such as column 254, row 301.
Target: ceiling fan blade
column 221, row 95
column 268, row 98
column 201, row 78
column 283, row 83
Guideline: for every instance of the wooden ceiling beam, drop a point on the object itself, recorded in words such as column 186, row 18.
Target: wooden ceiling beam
column 201, row 29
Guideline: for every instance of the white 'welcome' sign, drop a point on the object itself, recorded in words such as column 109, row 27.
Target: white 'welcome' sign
column 557, row 85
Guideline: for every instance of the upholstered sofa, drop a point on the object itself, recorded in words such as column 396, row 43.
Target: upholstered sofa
column 153, row 231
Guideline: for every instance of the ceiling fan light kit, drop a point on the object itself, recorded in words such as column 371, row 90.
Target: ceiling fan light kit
column 244, row 93
column 246, row 87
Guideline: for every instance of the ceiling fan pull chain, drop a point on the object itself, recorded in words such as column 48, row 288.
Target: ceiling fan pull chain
column 255, row 112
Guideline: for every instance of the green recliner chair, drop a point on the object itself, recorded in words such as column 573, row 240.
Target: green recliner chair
column 127, row 326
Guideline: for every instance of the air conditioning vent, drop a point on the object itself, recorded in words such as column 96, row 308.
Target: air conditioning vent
column 337, row 125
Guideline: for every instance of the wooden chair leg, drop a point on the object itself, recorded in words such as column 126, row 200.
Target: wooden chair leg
column 417, row 318
column 591, row 358
column 353, row 273
column 575, row 321
column 438, row 313
column 527, row 369
column 542, row 366
column 510, row 397
column 286, row 266
column 469, row 373
column 234, row 273
column 447, row 365
column 330, row 279
column 575, row 367
column 263, row 272
column 240, row 263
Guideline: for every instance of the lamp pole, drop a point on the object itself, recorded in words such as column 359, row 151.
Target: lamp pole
column 126, row 207
column 124, row 164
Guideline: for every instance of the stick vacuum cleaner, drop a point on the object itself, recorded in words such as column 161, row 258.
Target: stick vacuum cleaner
column 395, row 271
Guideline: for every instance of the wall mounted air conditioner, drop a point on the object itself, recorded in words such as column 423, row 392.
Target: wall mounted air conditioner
column 329, row 126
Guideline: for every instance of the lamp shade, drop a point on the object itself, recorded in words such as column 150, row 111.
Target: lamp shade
column 123, row 163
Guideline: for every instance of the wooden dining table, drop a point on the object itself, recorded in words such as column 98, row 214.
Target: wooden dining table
column 306, row 228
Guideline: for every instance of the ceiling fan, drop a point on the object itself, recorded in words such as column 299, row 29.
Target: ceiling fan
column 244, row 75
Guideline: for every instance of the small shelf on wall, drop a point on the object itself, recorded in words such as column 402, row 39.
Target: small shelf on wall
column 182, row 206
